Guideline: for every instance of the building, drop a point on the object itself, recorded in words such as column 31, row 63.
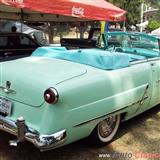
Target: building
column 151, row 14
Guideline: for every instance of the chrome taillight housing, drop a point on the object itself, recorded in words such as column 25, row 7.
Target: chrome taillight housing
column 51, row 96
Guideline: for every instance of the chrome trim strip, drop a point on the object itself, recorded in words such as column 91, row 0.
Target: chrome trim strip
column 139, row 61
column 22, row 131
column 96, row 118
column 145, row 60
column 105, row 115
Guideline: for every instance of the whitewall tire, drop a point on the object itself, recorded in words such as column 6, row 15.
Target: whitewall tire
column 106, row 130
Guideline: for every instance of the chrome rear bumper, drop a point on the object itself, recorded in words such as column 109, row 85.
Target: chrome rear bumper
column 23, row 132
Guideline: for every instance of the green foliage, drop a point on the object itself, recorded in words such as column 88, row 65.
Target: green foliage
column 133, row 8
column 153, row 3
column 153, row 25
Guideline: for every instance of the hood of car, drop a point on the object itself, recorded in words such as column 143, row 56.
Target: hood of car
column 30, row 77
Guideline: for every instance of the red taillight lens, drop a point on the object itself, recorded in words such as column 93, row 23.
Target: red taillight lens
column 51, row 96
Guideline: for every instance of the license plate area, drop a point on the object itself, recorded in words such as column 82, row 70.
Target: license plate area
column 5, row 106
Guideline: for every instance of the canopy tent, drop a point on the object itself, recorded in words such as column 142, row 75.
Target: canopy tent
column 60, row 10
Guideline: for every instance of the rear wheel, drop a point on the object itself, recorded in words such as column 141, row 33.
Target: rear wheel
column 106, row 130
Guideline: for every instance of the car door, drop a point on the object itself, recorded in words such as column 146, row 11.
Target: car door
column 155, row 95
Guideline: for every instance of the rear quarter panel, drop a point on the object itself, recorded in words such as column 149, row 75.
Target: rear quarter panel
column 85, row 100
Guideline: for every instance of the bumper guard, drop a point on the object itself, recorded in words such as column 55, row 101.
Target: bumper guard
column 23, row 132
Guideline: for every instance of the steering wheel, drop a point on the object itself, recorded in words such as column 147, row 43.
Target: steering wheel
column 111, row 48
column 118, row 49
column 114, row 48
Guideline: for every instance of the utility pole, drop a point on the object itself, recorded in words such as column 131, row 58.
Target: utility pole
column 142, row 7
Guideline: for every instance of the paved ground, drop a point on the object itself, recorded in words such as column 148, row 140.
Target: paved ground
column 140, row 135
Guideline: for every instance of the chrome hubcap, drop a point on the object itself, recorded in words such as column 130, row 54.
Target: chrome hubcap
column 107, row 126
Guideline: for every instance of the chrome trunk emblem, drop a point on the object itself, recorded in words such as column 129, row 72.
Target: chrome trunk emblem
column 7, row 89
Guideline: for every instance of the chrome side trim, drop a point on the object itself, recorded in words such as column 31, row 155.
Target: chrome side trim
column 23, row 132
column 111, row 113
column 145, row 60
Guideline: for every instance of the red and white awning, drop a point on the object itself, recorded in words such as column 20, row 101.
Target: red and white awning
column 60, row 10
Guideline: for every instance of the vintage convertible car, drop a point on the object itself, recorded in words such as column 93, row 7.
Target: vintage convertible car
column 58, row 96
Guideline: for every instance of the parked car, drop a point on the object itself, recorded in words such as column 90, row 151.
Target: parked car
column 58, row 96
column 16, row 45
column 32, row 29
column 89, row 42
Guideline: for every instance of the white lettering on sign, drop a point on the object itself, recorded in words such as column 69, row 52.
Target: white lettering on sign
column 78, row 11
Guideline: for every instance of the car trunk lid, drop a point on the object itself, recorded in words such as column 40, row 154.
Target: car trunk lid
column 30, row 77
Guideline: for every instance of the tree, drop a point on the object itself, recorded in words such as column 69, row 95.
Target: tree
column 153, row 3
column 153, row 25
column 133, row 10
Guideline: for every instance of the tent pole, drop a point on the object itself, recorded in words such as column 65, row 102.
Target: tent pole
column 51, row 32
column 21, row 19
column 124, row 26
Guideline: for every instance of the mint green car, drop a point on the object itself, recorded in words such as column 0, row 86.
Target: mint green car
column 58, row 96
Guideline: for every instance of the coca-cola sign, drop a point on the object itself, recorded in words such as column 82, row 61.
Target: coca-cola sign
column 77, row 11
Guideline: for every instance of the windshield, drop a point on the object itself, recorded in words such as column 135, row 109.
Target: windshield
column 140, row 44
